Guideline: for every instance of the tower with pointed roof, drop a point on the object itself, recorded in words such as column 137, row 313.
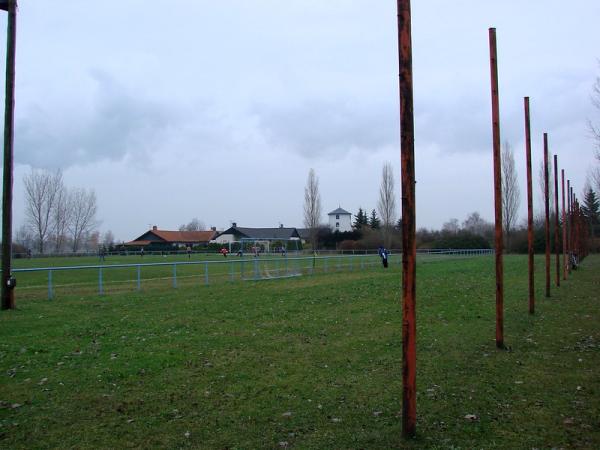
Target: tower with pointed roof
column 340, row 220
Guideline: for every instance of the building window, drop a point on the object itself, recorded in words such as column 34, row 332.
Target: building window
column 337, row 216
column 337, row 224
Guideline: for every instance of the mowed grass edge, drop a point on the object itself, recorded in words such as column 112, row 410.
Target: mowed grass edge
column 311, row 362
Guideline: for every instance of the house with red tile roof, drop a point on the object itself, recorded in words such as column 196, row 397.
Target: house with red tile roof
column 156, row 239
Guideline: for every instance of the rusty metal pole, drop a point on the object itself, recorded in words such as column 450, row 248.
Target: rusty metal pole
column 529, row 208
column 409, row 246
column 556, row 209
column 573, row 223
column 574, row 232
column 497, row 191
column 577, row 228
column 547, row 211
column 569, row 226
column 564, row 225
column 7, row 289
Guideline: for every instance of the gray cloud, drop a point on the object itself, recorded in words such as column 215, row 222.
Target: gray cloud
column 117, row 123
column 329, row 129
column 455, row 126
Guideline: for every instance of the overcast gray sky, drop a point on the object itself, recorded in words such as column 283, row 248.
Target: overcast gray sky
column 217, row 110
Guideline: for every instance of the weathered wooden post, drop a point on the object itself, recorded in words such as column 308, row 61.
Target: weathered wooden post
column 569, row 226
column 547, row 216
column 564, row 225
column 529, row 209
column 8, row 284
column 409, row 248
column 576, row 228
column 573, row 224
column 556, row 209
column 499, row 244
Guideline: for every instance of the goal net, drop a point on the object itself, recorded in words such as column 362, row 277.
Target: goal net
column 268, row 259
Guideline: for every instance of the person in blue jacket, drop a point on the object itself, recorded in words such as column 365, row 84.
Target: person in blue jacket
column 383, row 254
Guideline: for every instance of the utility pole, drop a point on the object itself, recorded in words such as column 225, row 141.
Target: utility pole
column 547, row 214
column 8, row 283
column 498, row 238
column 564, row 226
column 529, row 209
column 569, row 227
column 409, row 247
column 556, row 234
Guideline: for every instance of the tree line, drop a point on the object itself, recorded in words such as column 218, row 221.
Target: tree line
column 380, row 227
column 58, row 218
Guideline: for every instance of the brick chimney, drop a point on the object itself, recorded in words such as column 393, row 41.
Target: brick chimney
column 154, row 228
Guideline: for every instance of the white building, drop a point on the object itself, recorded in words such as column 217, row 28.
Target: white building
column 340, row 220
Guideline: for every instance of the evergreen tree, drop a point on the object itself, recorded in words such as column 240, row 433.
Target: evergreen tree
column 374, row 221
column 360, row 219
column 591, row 209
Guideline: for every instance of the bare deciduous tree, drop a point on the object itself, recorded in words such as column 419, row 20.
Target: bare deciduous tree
column 83, row 216
column 476, row 224
column 451, row 227
column 24, row 237
column 595, row 171
column 386, row 205
column 41, row 189
column 511, row 196
column 91, row 240
column 108, row 240
column 312, row 207
column 595, row 174
column 61, row 215
column 194, row 225
column 596, row 102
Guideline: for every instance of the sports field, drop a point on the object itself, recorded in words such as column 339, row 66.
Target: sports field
column 305, row 362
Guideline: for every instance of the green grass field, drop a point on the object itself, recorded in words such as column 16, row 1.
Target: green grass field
column 305, row 362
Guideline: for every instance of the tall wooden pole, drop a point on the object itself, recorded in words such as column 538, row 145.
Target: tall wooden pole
column 569, row 226
column 497, row 191
column 573, row 224
column 575, row 231
column 409, row 247
column 547, row 210
column 7, row 289
column 564, row 225
column 529, row 209
column 556, row 210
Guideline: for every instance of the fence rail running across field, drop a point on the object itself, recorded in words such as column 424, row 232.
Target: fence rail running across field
column 107, row 277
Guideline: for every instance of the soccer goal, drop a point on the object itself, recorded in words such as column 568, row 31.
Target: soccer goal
column 269, row 259
column 270, row 269
column 269, row 246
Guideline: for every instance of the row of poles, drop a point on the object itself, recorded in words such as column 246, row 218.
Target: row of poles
column 573, row 245
column 574, row 229
column 569, row 223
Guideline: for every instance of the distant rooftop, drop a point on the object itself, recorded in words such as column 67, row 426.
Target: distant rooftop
column 262, row 233
column 339, row 211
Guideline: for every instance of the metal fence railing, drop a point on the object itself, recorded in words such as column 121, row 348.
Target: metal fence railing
column 455, row 251
column 136, row 276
